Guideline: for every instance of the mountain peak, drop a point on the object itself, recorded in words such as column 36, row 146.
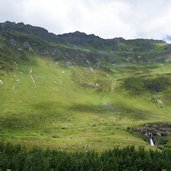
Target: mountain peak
column 167, row 38
column 81, row 38
column 78, row 34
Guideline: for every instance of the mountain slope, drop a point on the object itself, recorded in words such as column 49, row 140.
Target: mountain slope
column 78, row 91
column 48, row 105
column 79, row 48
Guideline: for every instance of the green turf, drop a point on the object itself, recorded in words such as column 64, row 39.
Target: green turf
column 78, row 108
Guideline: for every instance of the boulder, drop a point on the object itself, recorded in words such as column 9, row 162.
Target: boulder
column 26, row 45
column 13, row 42
column 156, row 129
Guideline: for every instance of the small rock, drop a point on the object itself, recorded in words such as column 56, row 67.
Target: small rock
column 26, row 45
column 159, row 102
column 13, row 42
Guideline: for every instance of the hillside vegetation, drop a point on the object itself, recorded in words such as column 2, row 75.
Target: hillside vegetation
column 78, row 92
column 17, row 157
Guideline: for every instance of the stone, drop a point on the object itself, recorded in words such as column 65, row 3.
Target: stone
column 159, row 102
column 156, row 130
column 13, row 42
column 26, row 45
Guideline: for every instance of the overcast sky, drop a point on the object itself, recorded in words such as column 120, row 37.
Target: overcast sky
column 105, row 18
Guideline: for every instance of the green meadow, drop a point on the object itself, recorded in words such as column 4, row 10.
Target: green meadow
column 74, row 108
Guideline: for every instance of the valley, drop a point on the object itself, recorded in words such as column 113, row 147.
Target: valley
column 85, row 85
column 79, row 92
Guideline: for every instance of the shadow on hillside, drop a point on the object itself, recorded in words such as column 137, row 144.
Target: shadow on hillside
column 51, row 111
column 40, row 114
column 118, row 110
column 59, row 111
column 12, row 122
column 85, row 108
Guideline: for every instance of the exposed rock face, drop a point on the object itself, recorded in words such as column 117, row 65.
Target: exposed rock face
column 158, row 132
column 27, row 46
column 13, row 42
column 156, row 129
column 79, row 38
column 77, row 48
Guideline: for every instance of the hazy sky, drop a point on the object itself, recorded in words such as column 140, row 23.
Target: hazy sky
column 105, row 18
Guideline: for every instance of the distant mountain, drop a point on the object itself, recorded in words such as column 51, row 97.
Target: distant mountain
column 18, row 39
column 167, row 38
column 116, row 44
column 82, row 39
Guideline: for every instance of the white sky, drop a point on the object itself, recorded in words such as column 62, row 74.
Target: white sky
column 106, row 18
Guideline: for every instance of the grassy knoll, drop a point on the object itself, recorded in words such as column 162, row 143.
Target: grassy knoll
column 79, row 108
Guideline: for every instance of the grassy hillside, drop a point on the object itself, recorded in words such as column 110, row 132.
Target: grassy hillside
column 79, row 92
column 79, row 108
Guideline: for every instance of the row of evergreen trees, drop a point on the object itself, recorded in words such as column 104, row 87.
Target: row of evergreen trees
column 18, row 158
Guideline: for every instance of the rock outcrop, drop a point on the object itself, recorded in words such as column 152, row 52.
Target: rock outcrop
column 157, row 129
